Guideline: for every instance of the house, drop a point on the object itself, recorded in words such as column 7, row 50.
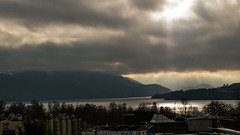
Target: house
column 64, row 125
column 163, row 124
column 11, row 125
column 200, row 124
column 121, row 130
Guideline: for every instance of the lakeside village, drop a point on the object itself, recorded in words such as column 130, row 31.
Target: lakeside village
column 116, row 119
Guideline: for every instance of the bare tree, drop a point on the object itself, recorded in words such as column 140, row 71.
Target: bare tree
column 2, row 106
column 218, row 108
column 185, row 102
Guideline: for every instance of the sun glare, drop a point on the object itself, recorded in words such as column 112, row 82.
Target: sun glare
column 174, row 9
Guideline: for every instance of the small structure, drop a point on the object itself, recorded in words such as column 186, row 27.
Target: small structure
column 200, row 124
column 90, row 131
column 165, row 125
column 121, row 130
column 159, row 118
column 206, row 123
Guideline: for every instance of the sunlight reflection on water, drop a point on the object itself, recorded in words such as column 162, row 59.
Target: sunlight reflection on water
column 134, row 102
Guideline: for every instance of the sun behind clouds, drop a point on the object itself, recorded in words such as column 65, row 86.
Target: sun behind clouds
column 174, row 9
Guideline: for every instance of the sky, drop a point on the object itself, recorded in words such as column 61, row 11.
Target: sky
column 175, row 43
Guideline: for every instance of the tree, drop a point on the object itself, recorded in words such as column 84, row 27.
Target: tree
column 17, row 108
column 167, row 111
column 185, row 102
column 143, row 107
column 218, row 108
column 70, row 109
column 122, row 108
column 113, row 111
column 2, row 106
column 130, row 109
column 193, row 111
column 34, row 128
column 154, row 107
column 238, row 106
column 54, row 108
column 36, row 111
column 63, row 108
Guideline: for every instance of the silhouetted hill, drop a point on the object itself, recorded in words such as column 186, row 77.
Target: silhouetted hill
column 200, row 86
column 132, row 80
column 41, row 85
column 226, row 92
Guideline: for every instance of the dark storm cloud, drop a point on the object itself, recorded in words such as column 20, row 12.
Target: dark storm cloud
column 148, row 4
column 129, row 56
column 84, row 12
column 208, row 41
column 211, row 41
column 118, row 57
column 203, row 12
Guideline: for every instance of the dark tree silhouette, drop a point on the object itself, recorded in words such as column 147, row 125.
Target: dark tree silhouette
column 185, row 102
column 2, row 106
column 34, row 128
column 218, row 108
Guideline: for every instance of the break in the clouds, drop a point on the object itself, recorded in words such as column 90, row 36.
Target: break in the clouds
column 184, row 80
column 124, row 36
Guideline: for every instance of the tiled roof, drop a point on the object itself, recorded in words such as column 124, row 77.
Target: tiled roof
column 159, row 118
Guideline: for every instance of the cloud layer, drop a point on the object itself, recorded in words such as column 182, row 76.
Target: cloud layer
column 183, row 80
column 122, row 36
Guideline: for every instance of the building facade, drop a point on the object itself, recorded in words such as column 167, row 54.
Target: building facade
column 12, row 125
column 64, row 125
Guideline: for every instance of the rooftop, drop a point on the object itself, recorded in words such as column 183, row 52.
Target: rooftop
column 159, row 118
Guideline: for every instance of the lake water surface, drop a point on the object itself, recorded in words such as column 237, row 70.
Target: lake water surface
column 135, row 101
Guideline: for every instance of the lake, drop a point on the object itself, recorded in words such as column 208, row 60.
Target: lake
column 135, row 101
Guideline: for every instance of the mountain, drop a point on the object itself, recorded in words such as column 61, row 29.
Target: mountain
column 132, row 80
column 58, row 85
column 206, row 86
column 226, row 92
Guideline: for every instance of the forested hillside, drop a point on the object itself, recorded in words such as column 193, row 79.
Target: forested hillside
column 41, row 85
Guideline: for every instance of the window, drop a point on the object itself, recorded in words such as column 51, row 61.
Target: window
column 5, row 125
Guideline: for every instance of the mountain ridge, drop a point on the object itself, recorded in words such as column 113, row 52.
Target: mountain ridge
column 61, row 85
column 226, row 92
column 199, row 86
